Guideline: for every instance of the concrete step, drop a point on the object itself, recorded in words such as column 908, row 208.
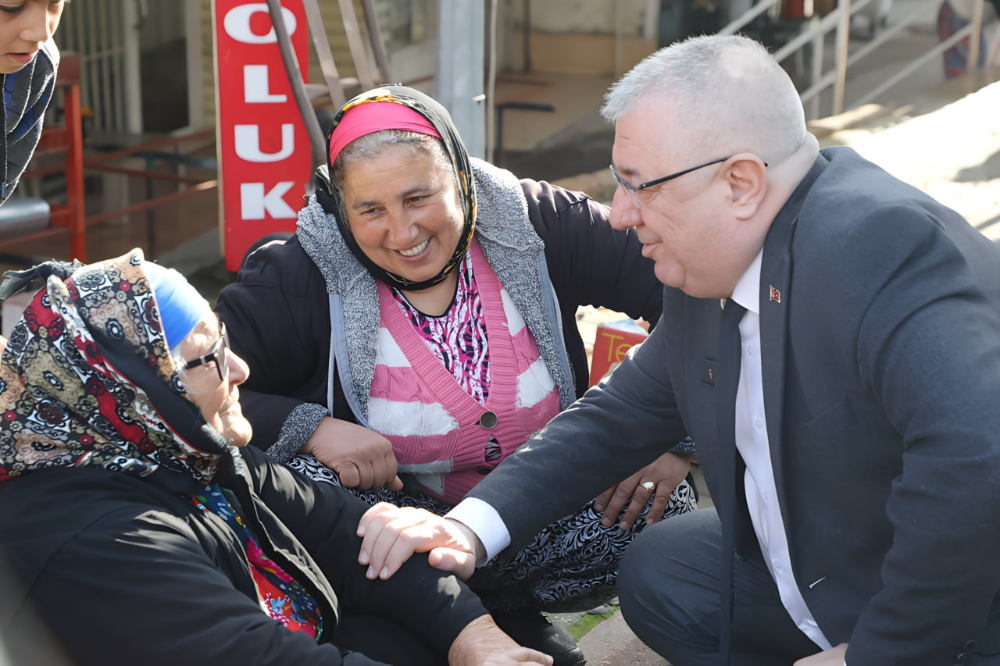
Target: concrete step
column 612, row 643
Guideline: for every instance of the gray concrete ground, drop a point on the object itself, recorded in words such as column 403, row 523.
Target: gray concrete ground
column 612, row 643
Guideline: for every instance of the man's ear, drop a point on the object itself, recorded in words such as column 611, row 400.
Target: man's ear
column 746, row 175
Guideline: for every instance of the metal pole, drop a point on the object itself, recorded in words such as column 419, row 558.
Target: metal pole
column 460, row 86
column 316, row 139
column 491, row 85
column 322, row 46
column 817, row 71
column 915, row 65
column 356, row 45
column 843, row 37
column 618, row 39
column 737, row 23
column 527, row 36
column 976, row 37
column 133, row 78
column 375, row 37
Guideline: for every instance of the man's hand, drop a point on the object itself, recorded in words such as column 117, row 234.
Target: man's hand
column 832, row 657
column 392, row 534
column 483, row 643
column 665, row 473
column 361, row 457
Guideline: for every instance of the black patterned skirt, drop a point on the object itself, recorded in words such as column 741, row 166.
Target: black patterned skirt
column 570, row 566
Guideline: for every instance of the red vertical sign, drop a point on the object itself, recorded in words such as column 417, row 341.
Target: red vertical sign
column 264, row 154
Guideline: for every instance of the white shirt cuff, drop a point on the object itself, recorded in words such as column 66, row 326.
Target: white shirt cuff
column 484, row 520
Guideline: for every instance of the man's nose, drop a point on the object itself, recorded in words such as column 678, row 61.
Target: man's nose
column 624, row 214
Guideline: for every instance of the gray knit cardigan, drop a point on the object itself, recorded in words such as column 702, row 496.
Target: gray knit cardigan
column 513, row 250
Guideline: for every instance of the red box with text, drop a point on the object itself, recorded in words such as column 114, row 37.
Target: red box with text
column 613, row 341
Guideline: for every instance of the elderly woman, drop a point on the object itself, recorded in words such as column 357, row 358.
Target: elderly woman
column 423, row 316
column 138, row 529
column 28, row 63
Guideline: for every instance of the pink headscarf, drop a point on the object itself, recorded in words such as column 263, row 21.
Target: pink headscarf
column 373, row 117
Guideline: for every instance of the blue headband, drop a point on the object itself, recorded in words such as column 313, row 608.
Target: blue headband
column 181, row 306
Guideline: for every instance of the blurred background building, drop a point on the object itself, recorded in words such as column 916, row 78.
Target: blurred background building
column 532, row 73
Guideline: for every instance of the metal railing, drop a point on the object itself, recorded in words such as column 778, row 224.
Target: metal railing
column 814, row 35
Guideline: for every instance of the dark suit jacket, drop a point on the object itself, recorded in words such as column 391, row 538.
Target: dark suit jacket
column 881, row 367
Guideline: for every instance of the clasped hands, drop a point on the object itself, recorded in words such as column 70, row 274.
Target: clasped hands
column 364, row 459
column 390, row 534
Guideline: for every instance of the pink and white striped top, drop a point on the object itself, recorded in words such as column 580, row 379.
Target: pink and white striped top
column 431, row 420
column 458, row 338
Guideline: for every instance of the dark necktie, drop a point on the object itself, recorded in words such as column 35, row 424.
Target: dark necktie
column 725, row 429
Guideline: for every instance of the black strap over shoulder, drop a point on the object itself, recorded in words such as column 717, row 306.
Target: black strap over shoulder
column 324, row 190
column 17, row 281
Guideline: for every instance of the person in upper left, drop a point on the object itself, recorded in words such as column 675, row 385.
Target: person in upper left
column 137, row 526
column 28, row 62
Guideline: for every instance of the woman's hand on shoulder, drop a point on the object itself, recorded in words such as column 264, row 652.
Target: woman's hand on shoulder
column 361, row 457
column 660, row 477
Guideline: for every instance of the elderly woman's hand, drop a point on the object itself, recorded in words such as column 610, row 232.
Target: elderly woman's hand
column 482, row 643
column 660, row 476
column 361, row 457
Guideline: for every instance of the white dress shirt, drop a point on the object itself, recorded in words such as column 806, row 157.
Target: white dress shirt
column 753, row 445
column 752, row 442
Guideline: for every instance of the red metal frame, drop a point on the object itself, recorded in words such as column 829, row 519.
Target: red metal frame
column 100, row 162
column 67, row 139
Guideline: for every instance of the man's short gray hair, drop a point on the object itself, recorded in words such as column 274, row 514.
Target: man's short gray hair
column 726, row 93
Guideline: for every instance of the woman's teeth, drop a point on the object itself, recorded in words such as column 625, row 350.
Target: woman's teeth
column 414, row 251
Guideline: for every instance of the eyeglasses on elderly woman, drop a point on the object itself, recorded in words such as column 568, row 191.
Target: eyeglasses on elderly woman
column 216, row 354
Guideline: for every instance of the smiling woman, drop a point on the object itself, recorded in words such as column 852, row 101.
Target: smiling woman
column 28, row 62
column 403, row 210
column 420, row 322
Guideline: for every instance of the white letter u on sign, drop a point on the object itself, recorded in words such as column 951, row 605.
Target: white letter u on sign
column 248, row 143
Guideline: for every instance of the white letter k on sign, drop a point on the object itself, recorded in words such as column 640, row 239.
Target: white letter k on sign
column 255, row 203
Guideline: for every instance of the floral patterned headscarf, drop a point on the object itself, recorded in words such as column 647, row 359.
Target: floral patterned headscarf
column 87, row 380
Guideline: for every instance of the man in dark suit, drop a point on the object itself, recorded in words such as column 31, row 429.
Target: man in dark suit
column 831, row 339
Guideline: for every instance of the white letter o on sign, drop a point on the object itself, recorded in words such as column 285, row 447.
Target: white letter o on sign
column 237, row 23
